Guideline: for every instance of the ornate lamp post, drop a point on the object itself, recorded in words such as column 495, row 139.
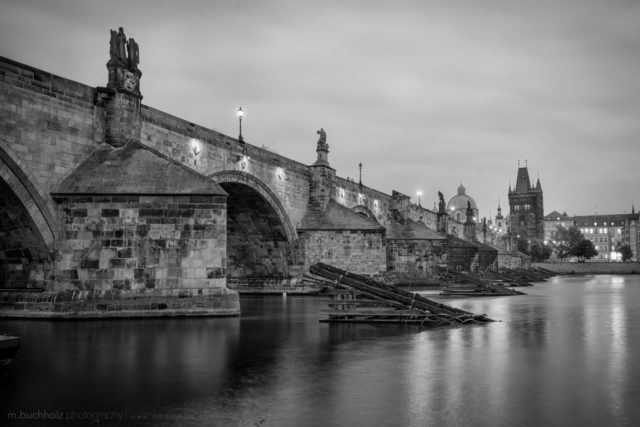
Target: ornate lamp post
column 240, row 114
column 419, row 193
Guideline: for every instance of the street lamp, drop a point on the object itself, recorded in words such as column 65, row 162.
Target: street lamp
column 240, row 113
column 419, row 193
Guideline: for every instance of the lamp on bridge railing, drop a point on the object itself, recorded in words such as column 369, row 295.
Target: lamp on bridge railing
column 240, row 114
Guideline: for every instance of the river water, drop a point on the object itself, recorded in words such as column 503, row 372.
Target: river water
column 566, row 354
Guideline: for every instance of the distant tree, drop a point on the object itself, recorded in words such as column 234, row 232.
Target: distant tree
column 566, row 241
column 539, row 251
column 585, row 250
column 625, row 252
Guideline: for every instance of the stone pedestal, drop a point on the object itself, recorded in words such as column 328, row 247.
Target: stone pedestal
column 442, row 223
column 122, row 117
column 321, row 186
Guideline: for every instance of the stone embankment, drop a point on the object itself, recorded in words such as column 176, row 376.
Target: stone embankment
column 591, row 267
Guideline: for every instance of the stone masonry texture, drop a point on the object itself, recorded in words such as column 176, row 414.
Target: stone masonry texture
column 136, row 242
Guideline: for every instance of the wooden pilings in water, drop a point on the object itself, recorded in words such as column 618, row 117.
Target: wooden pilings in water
column 465, row 284
column 361, row 299
column 506, row 278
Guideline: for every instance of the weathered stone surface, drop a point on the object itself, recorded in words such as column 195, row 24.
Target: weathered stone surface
column 136, row 169
column 343, row 238
column 118, row 303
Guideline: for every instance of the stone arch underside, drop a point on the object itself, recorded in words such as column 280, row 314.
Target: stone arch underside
column 27, row 228
column 261, row 241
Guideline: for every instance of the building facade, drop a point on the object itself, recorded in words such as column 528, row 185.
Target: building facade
column 607, row 232
column 554, row 220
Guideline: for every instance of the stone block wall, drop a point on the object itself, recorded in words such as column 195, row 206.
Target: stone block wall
column 506, row 259
column 49, row 122
column 487, row 257
column 351, row 194
column 460, row 254
column 360, row 252
column 414, row 256
column 141, row 242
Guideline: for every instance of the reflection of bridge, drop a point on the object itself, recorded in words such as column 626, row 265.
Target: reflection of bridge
column 101, row 193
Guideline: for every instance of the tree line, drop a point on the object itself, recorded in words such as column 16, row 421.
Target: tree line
column 566, row 243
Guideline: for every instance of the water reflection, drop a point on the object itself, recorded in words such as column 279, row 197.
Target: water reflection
column 565, row 354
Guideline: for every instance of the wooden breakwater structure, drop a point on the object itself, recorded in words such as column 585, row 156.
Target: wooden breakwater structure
column 489, row 282
column 467, row 284
column 360, row 299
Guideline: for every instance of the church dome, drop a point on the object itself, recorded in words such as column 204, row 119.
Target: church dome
column 457, row 206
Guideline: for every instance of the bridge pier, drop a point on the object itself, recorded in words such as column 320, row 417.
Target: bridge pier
column 132, row 243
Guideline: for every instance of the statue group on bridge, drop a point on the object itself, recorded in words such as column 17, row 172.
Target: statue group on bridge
column 122, row 51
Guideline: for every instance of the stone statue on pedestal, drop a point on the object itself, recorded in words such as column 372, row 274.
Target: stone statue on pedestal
column 113, row 46
column 323, row 137
column 121, row 41
column 134, row 54
column 441, row 205
column 322, row 148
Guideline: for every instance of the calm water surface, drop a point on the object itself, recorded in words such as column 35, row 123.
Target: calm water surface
column 566, row 354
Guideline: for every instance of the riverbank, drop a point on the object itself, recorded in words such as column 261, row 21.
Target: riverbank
column 591, row 267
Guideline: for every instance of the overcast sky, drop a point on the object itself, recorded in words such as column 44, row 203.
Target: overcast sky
column 426, row 94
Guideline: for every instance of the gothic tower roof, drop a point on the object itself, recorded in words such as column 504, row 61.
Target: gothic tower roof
column 522, row 183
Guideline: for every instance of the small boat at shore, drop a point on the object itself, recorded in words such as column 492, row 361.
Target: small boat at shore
column 8, row 347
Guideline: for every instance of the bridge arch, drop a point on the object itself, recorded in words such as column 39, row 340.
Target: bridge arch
column 261, row 239
column 27, row 226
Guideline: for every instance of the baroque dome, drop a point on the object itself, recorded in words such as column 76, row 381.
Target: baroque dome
column 457, row 206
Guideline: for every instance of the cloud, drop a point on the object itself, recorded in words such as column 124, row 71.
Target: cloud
column 424, row 93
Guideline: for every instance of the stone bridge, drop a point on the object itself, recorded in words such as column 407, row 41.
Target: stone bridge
column 104, row 197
